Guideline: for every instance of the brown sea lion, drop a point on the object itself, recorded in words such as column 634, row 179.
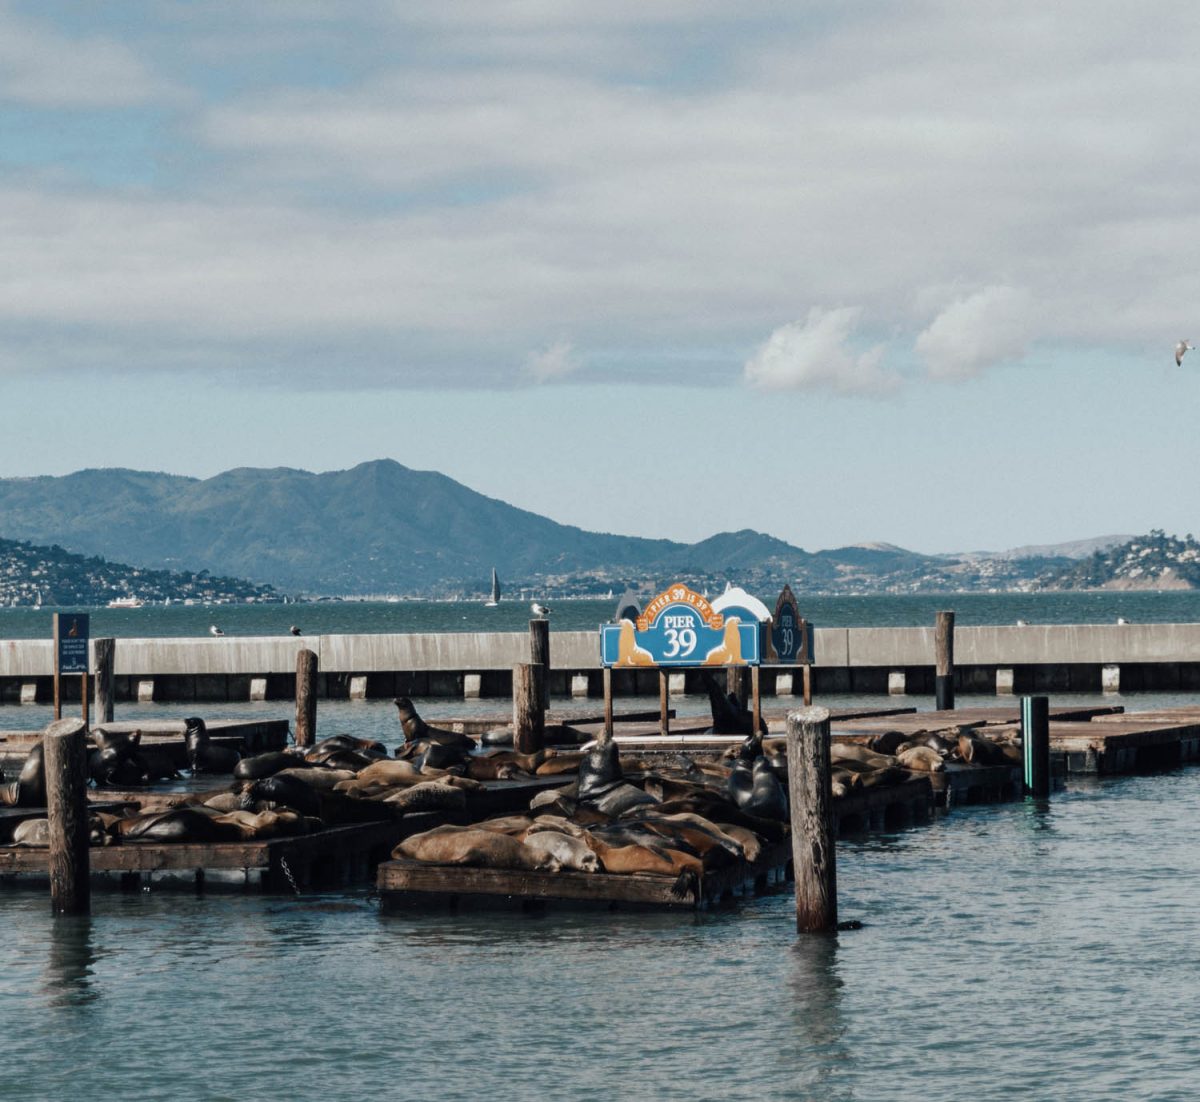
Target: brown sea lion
column 263, row 765
column 751, row 843
column 485, row 769
column 569, row 852
column 473, row 847
column 843, row 752
column 921, row 759
column 516, row 825
column 564, row 761
column 29, row 789
column 977, row 751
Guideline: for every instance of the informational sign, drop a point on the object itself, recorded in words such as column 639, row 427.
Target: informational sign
column 680, row 628
column 791, row 634
column 72, row 635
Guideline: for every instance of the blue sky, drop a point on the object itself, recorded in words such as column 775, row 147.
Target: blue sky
column 909, row 272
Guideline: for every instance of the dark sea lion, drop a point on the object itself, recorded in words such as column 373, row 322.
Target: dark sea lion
column 205, row 756
column 620, row 798
column 501, row 737
column 436, row 755
column 729, row 715
column 288, row 791
column 887, row 742
column 178, row 824
column 417, row 730
column 264, row 765
column 338, row 758
column 977, row 751
column 473, row 847
column 370, row 747
column 117, row 761
column 600, row 768
column 484, row 769
column 29, row 789
column 427, row 796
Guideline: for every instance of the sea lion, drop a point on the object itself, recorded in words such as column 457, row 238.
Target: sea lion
column 600, row 768
column 250, row 825
column 516, row 825
column 392, row 772
column 729, row 716
column 473, row 847
column 417, row 730
column 317, row 776
column 555, row 822
column 427, row 796
column 620, row 799
column 751, row 843
column 847, row 753
column 289, row 791
column 117, row 761
column 370, row 747
column 887, row 742
column 484, row 769
column 29, row 789
column 760, row 794
column 564, row 761
column 921, row 759
column 976, row 751
column 570, row 853
column 264, row 765
column 205, row 756
column 31, row 832
column 178, row 824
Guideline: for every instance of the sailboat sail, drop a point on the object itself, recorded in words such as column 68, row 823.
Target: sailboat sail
column 494, row 600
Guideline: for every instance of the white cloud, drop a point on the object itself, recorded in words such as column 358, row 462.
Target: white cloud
column 816, row 353
column 44, row 68
column 989, row 327
column 553, row 363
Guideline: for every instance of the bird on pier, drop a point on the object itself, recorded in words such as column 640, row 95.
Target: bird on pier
column 1122, row 620
column 1022, row 623
column 1180, row 349
column 214, row 630
column 294, row 630
column 539, row 609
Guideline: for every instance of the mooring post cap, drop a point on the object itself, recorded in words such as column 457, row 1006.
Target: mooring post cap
column 815, row 714
column 62, row 728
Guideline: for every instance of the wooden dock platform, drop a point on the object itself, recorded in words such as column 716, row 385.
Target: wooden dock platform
column 336, row 857
column 405, row 884
column 253, row 736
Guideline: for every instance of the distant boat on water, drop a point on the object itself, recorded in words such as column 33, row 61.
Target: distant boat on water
column 494, row 599
column 126, row 602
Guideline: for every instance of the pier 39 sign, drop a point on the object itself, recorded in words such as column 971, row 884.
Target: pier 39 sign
column 680, row 628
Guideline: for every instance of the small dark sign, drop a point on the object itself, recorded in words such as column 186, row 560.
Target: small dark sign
column 791, row 634
column 72, row 642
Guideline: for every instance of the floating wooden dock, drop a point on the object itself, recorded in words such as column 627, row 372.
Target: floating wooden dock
column 253, row 736
column 405, row 884
column 332, row 858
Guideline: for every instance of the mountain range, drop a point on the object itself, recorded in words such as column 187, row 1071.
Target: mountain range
column 381, row 528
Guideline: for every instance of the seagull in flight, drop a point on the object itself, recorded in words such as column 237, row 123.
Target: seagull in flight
column 1180, row 349
column 539, row 609
column 214, row 630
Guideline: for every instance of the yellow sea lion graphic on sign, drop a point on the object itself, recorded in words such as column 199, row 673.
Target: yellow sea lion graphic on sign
column 628, row 651
column 729, row 652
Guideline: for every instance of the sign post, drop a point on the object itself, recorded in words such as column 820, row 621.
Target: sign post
column 71, row 630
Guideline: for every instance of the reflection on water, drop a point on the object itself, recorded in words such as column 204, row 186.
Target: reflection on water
column 815, row 1013
column 70, row 962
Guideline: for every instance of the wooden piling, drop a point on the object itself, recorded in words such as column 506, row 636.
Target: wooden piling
column 944, row 654
column 735, row 682
column 65, row 750
column 807, row 668
column 755, row 698
column 306, row 697
column 664, row 708
column 813, row 829
column 1035, row 744
column 529, row 717
column 608, row 702
column 105, row 655
column 539, row 652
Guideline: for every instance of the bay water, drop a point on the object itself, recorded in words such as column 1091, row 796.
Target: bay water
column 1022, row 950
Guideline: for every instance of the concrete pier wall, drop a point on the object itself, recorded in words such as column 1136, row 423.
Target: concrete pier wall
column 1007, row 658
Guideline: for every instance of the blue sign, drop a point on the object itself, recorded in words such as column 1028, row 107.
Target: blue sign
column 680, row 628
column 791, row 634
column 72, row 631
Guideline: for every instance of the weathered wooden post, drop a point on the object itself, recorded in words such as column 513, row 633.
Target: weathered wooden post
column 529, row 717
column 664, row 708
column 608, row 702
column 65, row 748
column 735, row 682
column 306, row 697
column 807, row 684
column 539, row 652
column 756, row 698
column 1035, row 744
column 944, row 653
column 813, row 837
column 106, row 649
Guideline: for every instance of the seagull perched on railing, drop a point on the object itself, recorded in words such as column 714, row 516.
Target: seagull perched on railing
column 539, row 609
column 1180, row 349
column 214, row 630
column 294, row 630
column 1122, row 620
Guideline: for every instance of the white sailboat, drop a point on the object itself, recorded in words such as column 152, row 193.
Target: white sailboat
column 494, row 599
